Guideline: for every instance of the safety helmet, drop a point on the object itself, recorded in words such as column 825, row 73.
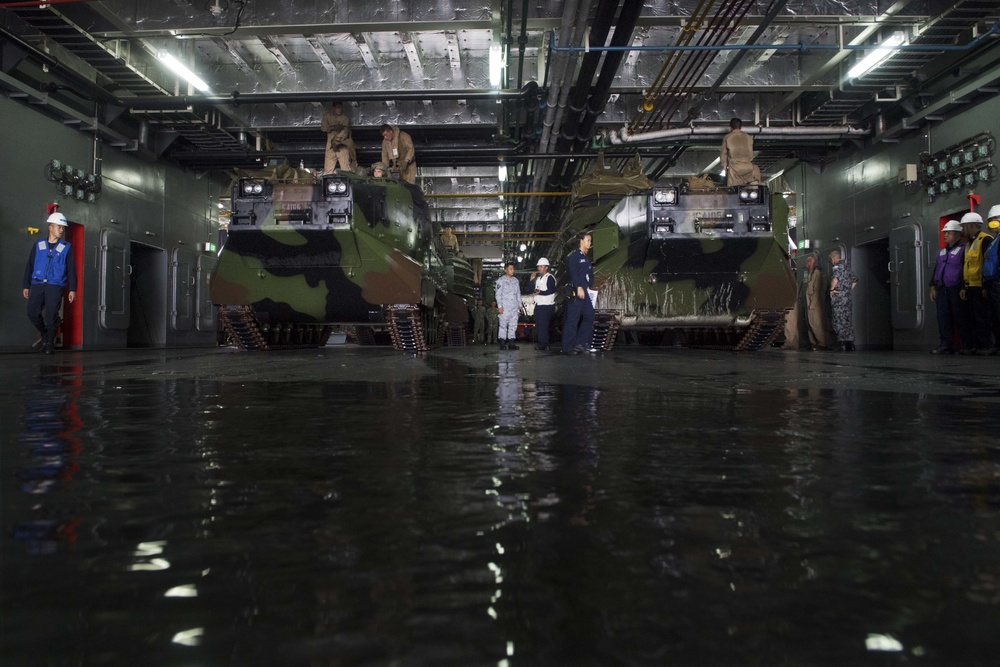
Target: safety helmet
column 972, row 218
column 542, row 262
column 952, row 226
column 994, row 217
column 58, row 219
column 380, row 165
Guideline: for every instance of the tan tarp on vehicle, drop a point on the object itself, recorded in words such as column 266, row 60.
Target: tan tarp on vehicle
column 603, row 179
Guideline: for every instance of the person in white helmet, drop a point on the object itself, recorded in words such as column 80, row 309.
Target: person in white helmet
column 545, row 302
column 946, row 283
column 991, row 270
column 50, row 271
column 975, row 252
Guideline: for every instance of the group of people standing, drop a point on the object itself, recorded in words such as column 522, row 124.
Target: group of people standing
column 965, row 287
column 841, row 303
column 398, row 153
column 500, row 319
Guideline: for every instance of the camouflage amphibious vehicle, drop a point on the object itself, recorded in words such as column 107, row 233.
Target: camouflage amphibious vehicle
column 703, row 267
column 305, row 254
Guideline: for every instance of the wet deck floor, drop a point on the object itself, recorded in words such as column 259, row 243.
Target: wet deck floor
column 355, row 506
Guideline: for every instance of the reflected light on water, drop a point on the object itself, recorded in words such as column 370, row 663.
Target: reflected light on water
column 185, row 591
column 190, row 637
column 877, row 642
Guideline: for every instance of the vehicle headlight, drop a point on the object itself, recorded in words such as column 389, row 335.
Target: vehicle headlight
column 665, row 196
column 336, row 187
column 258, row 188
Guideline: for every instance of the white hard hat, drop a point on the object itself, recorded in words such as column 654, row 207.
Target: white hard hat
column 58, row 219
column 542, row 262
column 972, row 218
column 994, row 212
column 952, row 226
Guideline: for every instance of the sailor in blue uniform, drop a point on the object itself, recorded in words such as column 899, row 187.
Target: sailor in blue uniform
column 578, row 330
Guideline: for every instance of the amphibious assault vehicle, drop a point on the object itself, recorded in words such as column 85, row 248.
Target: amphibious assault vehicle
column 305, row 254
column 703, row 266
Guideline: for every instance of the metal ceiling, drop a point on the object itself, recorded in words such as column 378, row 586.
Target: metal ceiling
column 578, row 73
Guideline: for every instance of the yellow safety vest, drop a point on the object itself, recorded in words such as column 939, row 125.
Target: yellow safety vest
column 973, row 272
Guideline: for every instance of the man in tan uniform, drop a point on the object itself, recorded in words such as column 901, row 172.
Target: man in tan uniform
column 816, row 305
column 340, row 150
column 398, row 153
column 737, row 155
column 449, row 240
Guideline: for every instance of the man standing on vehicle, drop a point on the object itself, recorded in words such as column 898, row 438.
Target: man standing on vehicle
column 578, row 329
column 50, row 270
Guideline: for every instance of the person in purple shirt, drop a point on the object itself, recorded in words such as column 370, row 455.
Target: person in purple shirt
column 952, row 311
column 50, row 271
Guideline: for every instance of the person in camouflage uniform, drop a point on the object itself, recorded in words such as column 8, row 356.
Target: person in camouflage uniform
column 492, row 324
column 842, row 300
column 478, row 322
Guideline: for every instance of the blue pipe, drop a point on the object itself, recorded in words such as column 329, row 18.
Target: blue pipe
column 995, row 30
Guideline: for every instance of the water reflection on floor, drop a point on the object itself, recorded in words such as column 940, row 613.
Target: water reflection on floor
column 470, row 509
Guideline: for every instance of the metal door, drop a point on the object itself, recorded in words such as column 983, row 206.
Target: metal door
column 205, row 315
column 115, row 280
column 182, row 281
column 907, row 282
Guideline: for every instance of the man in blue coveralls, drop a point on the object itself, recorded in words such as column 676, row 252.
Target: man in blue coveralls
column 578, row 329
column 49, row 271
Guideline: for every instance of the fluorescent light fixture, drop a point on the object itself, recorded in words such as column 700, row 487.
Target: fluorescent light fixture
column 884, row 50
column 178, row 68
column 500, row 213
column 710, row 165
column 496, row 64
column 502, row 172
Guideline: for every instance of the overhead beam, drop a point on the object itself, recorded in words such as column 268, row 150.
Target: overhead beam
column 284, row 62
column 367, row 50
column 533, row 25
column 316, row 45
column 412, row 55
column 841, row 55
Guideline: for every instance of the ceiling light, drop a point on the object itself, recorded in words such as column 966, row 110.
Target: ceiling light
column 523, row 247
column 182, row 71
column 500, row 213
column 502, row 172
column 884, row 50
column 496, row 64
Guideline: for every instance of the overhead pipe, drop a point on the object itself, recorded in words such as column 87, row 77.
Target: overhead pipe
column 612, row 61
column 625, row 26
column 800, row 47
column 721, row 27
column 237, row 98
column 623, row 136
column 558, row 65
column 603, row 20
column 765, row 23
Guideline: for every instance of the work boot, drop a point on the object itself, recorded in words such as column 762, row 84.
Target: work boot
column 47, row 348
column 942, row 349
column 511, row 346
column 988, row 352
column 503, row 343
